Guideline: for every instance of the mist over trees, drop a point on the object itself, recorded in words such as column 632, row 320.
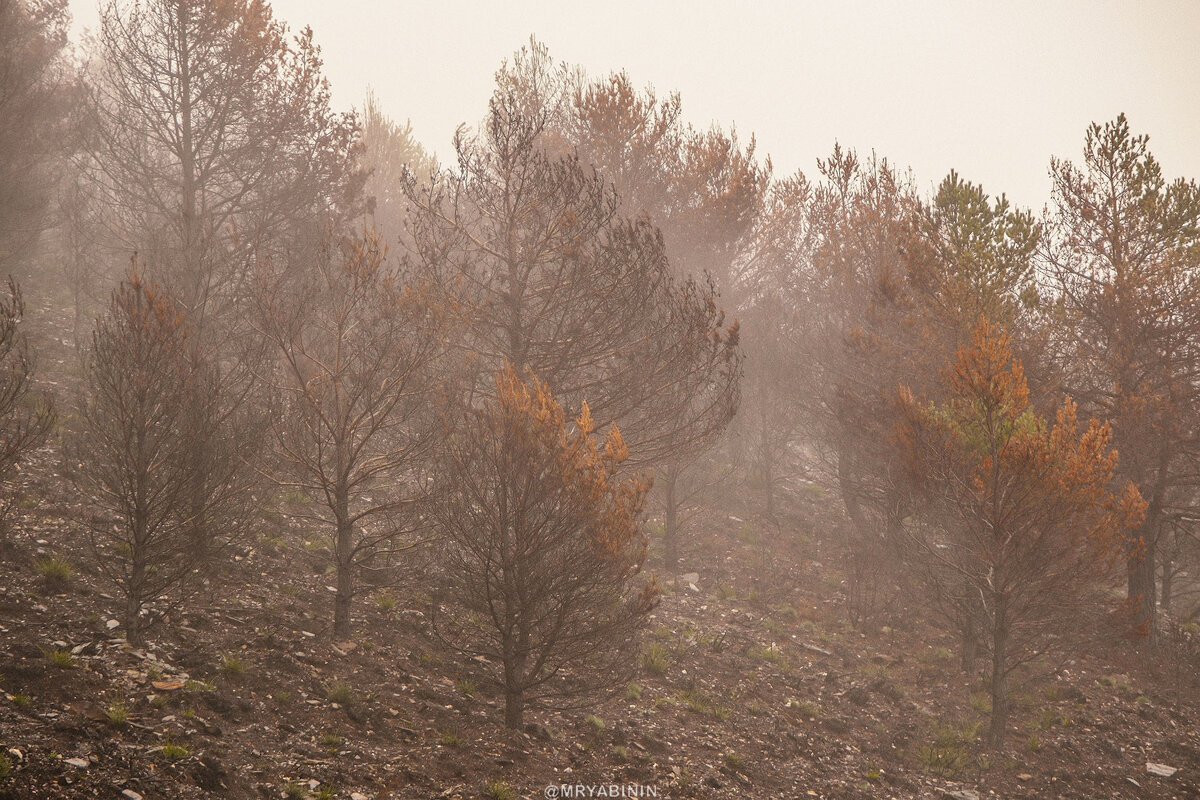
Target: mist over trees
column 525, row 378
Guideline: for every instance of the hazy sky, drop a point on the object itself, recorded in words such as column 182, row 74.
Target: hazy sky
column 990, row 89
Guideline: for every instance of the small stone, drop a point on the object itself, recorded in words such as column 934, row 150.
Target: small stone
column 112, row 623
column 130, row 794
column 357, row 796
column 1024, row 776
column 1161, row 770
column 960, row 794
column 82, row 763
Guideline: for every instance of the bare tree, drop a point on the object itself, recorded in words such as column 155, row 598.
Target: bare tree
column 531, row 249
column 25, row 419
column 210, row 136
column 358, row 349
column 542, row 545
column 148, row 408
column 35, row 90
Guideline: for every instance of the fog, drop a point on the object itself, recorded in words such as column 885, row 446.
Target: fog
column 987, row 89
column 539, row 400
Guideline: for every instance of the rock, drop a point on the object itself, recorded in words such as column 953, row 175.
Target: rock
column 82, row 763
column 112, row 623
column 960, row 794
column 130, row 794
column 357, row 796
column 1161, row 770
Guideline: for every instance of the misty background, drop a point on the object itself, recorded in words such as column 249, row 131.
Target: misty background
column 987, row 89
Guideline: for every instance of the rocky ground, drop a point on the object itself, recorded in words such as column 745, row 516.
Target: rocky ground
column 753, row 683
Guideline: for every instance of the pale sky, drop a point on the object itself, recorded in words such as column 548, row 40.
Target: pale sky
column 990, row 89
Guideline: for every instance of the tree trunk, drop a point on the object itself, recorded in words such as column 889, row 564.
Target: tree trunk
column 999, row 720
column 1141, row 586
column 514, row 675
column 671, row 523
column 345, row 576
column 769, row 486
column 192, row 280
column 514, row 708
column 970, row 643
column 133, row 599
column 850, row 498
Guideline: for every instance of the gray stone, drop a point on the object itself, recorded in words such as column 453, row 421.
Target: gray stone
column 960, row 794
column 1161, row 770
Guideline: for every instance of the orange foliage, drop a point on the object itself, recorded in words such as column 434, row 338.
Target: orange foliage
column 532, row 424
column 1030, row 483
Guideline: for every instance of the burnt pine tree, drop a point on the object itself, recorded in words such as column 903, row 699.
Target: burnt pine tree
column 543, row 545
column 356, row 349
column 1019, row 520
column 24, row 419
column 211, row 139
column 701, row 188
column 147, row 408
column 547, row 275
column 1124, row 247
